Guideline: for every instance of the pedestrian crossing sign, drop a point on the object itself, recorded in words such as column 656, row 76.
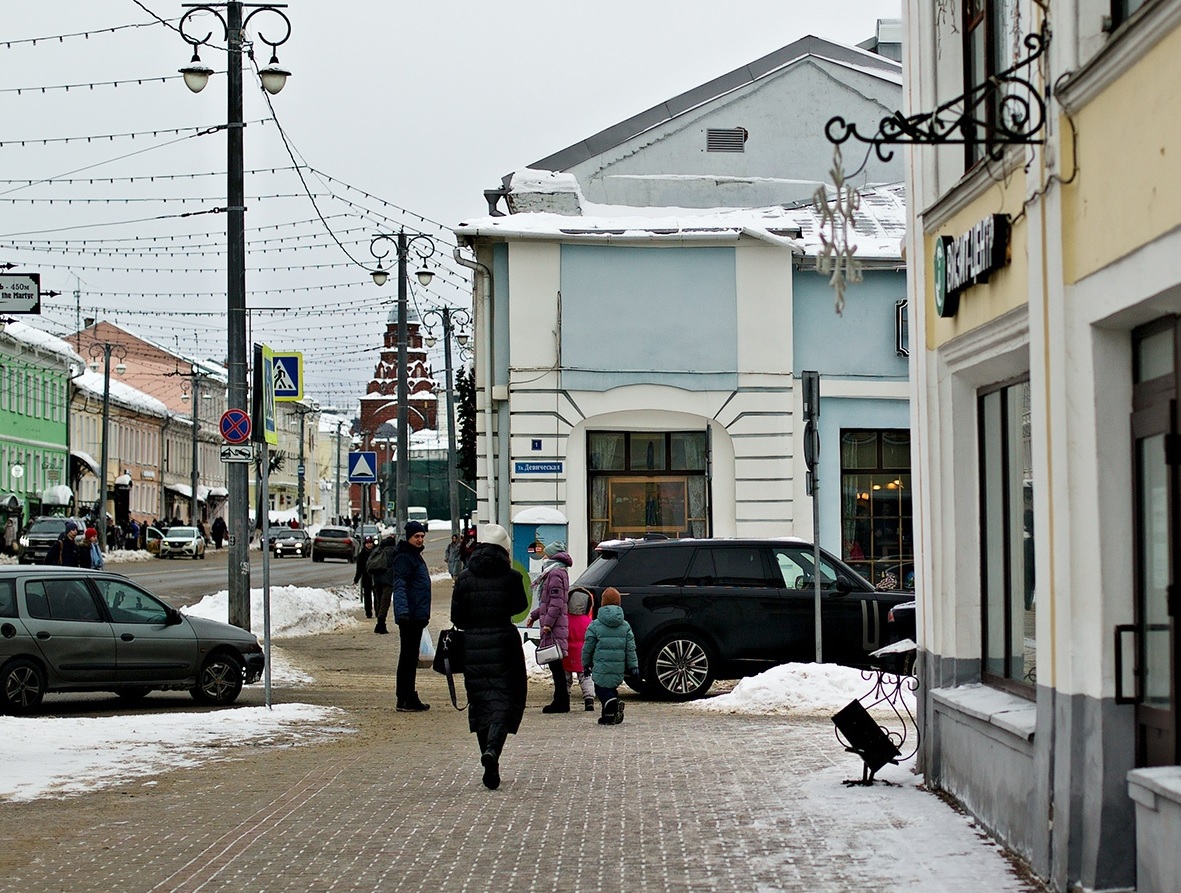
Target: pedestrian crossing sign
column 363, row 467
column 288, row 372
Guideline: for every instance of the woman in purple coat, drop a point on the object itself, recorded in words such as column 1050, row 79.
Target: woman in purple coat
column 553, row 588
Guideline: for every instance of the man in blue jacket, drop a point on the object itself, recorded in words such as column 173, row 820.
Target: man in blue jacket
column 411, row 583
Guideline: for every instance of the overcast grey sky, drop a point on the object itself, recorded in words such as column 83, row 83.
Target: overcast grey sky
column 420, row 105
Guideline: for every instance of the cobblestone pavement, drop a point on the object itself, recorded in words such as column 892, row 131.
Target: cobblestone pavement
column 671, row 800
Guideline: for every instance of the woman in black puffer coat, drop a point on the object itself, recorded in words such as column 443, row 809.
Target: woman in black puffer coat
column 487, row 594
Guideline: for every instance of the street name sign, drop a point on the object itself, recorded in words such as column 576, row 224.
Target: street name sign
column 20, row 293
column 237, row 452
column 363, row 467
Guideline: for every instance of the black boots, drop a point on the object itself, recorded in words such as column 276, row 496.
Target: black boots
column 612, row 712
column 412, row 704
column 380, row 628
column 590, row 704
column 557, row 708
column 492, row 742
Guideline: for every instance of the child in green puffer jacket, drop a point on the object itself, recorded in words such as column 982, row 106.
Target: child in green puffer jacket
column 609, row 654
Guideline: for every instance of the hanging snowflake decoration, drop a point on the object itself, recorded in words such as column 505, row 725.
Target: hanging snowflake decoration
column 836, row 258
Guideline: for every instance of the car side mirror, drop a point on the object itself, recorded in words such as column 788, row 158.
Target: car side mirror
column 841, row 586
column 173, row 617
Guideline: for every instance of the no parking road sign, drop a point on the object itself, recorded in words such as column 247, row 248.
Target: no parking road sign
column 235, row 426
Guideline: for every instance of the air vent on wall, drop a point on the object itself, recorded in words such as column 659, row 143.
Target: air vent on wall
column 729, row 140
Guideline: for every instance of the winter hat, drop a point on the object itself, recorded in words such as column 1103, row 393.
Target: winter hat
column 554, row 548
column 70, row 525
column 496, row 536
column 610, row 596
column 413, row 527
column 91, row 532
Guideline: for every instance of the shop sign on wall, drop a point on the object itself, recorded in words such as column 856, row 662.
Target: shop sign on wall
column 969, row 259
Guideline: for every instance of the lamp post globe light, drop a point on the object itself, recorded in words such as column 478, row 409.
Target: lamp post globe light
column 104, row 349
column 450, row 317
column 424, row 247
column 273, row 78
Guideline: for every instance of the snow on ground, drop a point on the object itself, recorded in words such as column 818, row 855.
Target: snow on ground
column 47, row 756
column 797, row 690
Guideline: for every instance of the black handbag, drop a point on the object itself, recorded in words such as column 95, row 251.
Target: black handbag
column 449, row 659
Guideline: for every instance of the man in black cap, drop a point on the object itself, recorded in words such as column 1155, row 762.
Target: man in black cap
column 65, row 550
column 412, row 609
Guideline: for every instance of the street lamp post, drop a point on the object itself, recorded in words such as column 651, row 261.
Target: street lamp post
column 450, row 316
column 300, row 469
column 403, row 245
column 194, row 474
column 273, row 78
column 105, row 349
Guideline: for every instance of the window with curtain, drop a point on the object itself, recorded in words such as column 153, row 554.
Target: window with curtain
column 1006, row 537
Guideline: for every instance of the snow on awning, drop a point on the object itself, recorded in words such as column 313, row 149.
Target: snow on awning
column 86, row 459
column 59, row 494
column 184, row 490
column 218, row 492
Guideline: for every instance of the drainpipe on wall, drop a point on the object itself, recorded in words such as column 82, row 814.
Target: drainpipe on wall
column 486, row 348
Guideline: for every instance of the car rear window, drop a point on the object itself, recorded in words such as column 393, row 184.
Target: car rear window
column 49, row 526
column 334, row 534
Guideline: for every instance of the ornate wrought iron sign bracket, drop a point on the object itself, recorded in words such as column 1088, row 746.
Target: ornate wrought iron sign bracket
column 1007, row 109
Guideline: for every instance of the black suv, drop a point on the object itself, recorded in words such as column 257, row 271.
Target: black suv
column 42, row 534
column 704, row 609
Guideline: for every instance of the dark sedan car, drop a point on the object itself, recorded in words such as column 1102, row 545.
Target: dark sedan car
column 333, row 542
column 67, row 629
column 704, row 609
column 291, row 542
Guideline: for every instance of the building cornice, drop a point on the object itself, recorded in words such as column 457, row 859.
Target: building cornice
column 1125, row 47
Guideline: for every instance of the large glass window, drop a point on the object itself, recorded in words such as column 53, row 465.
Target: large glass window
column 1006, row 536
column 992, row 41
column 647, row 483
column 876, row 506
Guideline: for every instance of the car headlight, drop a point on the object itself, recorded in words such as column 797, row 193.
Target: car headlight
column 24, row 541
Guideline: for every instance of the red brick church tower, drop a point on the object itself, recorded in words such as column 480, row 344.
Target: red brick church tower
column 380, row 403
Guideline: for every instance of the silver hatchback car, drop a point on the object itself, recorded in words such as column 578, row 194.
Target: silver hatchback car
column 68, row 629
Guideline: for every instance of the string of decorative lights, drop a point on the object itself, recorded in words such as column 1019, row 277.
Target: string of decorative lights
column 138, row 178
column 179, row 199
column 95, row 32
column 20, row 91
column 214, row 129
column 109, row 137
column 62, row 229
column 85, row 244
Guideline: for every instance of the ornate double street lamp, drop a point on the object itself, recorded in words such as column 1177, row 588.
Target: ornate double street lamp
column 105, row 349
column 273, row 78
column 194, row 474
column 424, row 247
column 450, row 317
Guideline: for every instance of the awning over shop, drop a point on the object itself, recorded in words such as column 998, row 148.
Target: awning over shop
column 85, row 459
column 218, row 492
column 187, row 492
column 123, row 480
column 59, row 494
column 10, row 502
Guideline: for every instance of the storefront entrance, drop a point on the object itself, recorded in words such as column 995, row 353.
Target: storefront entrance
column 1157, row 462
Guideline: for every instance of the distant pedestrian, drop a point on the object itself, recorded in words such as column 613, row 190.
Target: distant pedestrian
column 580, row 610
column 218, row 530
column 411, row 593
column 553, row 590
column 383, row 588
column 451, row 556
column 361, row 575
column 64, row 552
column 488, row 593
column 609, row 655
column 131, row 535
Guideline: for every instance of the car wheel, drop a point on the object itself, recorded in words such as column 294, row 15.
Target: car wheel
column 316, row 557
column 133, row 693
column 22, row 686
column 220, row 680
column 680, row 667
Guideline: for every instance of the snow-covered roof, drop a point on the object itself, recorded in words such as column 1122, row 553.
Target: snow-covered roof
column 33, row 337
column 879, row 224
column 123, row 394
column 793, row 53
column 329, row 421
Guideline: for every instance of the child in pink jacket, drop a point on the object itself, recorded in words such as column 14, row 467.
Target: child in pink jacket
column 580, row 606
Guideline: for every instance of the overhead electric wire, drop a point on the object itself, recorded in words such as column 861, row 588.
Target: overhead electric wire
column 62, row 38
